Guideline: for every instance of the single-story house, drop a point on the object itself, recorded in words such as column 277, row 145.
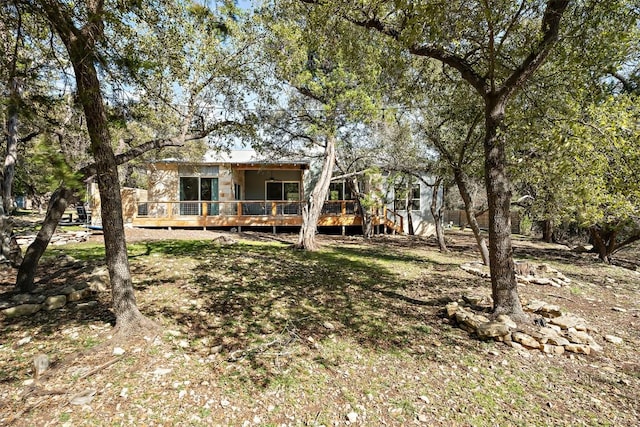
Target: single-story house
column 243, row 190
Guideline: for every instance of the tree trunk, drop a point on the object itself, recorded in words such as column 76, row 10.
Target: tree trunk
column 409, row 207
column 461, row 182
column 12, row 146
column 503, row 279
column 600, row 243
column 27, row 271
column 547, row 231
column 313, row 208
column 365, row 214
column 436, row 213
column 81, row 50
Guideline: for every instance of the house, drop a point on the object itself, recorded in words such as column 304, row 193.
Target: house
column 243, row 190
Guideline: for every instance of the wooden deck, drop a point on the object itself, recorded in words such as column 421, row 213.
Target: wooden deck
column 249, row 213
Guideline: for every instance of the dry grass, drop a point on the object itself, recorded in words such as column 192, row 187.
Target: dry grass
column 258, row 334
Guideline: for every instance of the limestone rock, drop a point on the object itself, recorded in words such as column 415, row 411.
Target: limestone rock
column 99, row 280
column 553, row 349
column 22, row 310
column 550, row 310
column 578, row 348
column 535, row 305
column 451, row 309
column 613, row 339
column 503, row 318
column 28, row 298
column 79, row 295
column 523, row 268
column 578, row 337
column 525, row 340
column 490, row 330
column 87, row 304
column 54, row 302
column 569, row 321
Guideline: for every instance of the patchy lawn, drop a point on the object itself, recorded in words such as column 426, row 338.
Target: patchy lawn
column 256, row 333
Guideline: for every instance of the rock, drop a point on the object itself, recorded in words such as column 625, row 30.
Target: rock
column 613, row 339
column 54, row 302
column 22, row 310
column 469, row 320
column 99, row 280
column 535, row 305
column 162, row 371
column 619, row 309
column 578, row 348
column 452, row 308
column 569, row 321
column 88, row 304
column 578, row 337
column 352, row 417
column 552, row 337
column 550, row 310
column 118, row 351
column 67, row 290
column 595, row 347
column 40, row 364
column 545, row 281
column 553, row 349
column 525, row 340
column 503, row 318
column 83, row 398
column 582, row 248
column 23, row 341
column 28, row 299
column 488, row 330
column 79, row 295
column 328, row 325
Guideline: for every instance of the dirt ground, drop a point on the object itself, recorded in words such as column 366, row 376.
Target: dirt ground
column 254, row 334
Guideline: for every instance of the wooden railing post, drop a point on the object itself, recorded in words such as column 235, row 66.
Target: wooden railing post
column 239, row 209
column 274, row 209
column 205, row 206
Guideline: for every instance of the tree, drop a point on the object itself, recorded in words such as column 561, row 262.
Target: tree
column 81, row 30
column 496, row 47
column 135, row 120
column 326, row 94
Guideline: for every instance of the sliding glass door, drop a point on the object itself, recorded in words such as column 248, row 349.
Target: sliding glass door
column 193, row 190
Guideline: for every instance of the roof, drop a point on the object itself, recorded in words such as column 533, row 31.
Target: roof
column 239, row 158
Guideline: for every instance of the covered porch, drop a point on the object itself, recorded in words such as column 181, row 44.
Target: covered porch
column 236, row 195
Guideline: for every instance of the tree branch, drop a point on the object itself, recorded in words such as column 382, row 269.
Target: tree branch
column 550, row 29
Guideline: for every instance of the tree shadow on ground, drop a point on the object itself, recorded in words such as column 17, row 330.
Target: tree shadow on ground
column 248, row 293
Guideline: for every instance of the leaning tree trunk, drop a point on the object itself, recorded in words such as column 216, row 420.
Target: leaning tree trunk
column 461, row 182
column 436, row 213
column 365, row 214
column 313, row 208
column 503, row 280
column 27, row 271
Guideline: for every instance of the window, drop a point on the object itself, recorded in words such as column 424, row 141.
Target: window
column 193, row 190
column 407, row 199
column 284, row 190
column 339, row 191
column 281, row 190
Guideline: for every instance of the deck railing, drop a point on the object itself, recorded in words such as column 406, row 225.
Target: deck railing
column 171, row 209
